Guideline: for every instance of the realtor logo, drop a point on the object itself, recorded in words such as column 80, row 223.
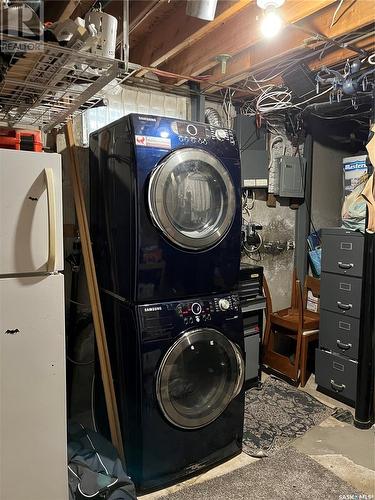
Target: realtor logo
column 23, row 21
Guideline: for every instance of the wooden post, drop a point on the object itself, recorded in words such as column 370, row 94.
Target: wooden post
column 97, row 315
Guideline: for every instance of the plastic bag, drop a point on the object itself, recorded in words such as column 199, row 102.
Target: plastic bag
column 353, row 213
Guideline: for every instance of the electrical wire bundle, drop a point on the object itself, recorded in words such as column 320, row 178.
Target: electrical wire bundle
column 274, row 98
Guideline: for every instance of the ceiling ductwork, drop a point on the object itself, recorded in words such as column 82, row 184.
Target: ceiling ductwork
column 202, row 9
column 212, row 117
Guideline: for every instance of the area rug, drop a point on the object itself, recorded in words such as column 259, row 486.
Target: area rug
column 277, row 414
column 287, row 475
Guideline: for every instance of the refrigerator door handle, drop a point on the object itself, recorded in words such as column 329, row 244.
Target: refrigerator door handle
column 51, row 263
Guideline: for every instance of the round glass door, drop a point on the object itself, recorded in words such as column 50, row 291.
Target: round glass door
column 192, row 199
column 198, row 377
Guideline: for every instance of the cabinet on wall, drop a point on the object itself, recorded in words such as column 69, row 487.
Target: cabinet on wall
column 340, row 308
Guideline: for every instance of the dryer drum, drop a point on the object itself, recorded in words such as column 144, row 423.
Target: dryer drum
column 200, row 374
column 192, row 199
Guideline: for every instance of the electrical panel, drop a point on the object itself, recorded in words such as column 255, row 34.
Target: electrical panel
column 253, row 152
column 291, row 176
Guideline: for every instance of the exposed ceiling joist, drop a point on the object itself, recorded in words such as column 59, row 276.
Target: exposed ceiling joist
column 57, row 10
column 238, row 33
column 331, row 58
column 70, row 7
column 339, row 55
column 183, row 31
column 82, row 8
column 360, row 15
column 140, row 11
column 145, row 15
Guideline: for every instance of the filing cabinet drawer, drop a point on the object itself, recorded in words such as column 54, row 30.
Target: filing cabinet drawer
column 339, row 334
column 341, row 294
column 252, row 357
column 342, row 252
column 336, row 374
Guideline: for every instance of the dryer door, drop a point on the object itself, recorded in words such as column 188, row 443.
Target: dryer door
column 192, row 199
column 198, row 377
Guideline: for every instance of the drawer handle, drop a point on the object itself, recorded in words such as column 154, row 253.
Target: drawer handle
column 337, row 387
column 343, row 346
column 342, row 265
column 344, row 307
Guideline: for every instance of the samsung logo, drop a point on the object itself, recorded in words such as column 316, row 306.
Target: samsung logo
column 149, row 309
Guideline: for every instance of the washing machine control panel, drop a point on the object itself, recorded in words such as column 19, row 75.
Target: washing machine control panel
column 196, row 133
column 204, row 310
column 161, row 320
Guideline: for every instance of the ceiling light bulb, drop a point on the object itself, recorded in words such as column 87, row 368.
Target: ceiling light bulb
column 273, row 4
column 271, row 24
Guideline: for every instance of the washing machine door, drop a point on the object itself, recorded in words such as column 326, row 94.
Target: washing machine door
column 198, row 377
column 192, row 198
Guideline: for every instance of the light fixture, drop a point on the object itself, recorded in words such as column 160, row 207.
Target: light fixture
column 271, row 22
column 202, row 9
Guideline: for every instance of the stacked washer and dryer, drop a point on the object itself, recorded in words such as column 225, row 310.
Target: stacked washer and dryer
column 166, row 222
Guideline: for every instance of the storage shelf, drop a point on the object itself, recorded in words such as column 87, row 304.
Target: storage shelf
column 44, row 86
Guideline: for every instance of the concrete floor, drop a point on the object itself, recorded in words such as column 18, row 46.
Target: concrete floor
column 344, row 450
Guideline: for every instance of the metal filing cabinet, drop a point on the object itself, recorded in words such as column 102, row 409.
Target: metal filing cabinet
column 340, row 308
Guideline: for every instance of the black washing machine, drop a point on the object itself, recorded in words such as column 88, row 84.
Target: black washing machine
column 179, row 370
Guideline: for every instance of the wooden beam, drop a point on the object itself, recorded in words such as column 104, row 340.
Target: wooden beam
column 93, row 289
column 292, row 40
column 332, row 57
column 183, row 32
column 336, row 56
column 139, row 11
column 82, row 8
column 58, row 10
column 70, row 7
column 144, row 17
column 236, row 34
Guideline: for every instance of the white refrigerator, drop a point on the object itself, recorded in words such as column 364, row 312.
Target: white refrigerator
column 33, row 447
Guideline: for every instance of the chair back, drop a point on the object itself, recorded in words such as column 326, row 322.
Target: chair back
column 299, row 303
column 267, row 295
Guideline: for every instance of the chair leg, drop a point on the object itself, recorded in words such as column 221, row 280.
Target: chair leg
column 297, row 356
column 266, row 338
column 303, row 363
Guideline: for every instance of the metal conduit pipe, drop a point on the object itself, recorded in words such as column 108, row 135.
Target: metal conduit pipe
column 335, row 106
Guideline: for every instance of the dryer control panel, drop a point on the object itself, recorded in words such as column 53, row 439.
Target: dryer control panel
column 196, row 133
column 158, row 320
column 163, row 133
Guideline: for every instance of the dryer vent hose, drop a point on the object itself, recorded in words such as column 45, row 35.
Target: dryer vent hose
column 212, row 117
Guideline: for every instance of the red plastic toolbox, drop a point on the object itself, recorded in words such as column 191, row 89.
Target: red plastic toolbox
column 29, row 140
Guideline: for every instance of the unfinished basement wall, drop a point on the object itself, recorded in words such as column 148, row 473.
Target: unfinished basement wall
column 327, row 186
column 277, row 252
column 132, row 100
column 278, row 233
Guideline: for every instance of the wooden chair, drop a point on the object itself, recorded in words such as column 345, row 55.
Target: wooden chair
column 296, row 322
